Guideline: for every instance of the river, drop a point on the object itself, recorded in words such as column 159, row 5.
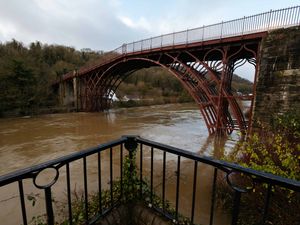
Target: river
column 31, row 140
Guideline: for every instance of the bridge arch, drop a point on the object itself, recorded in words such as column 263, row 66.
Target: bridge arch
column 108, row 81
column 203, row 58
column 207, row 79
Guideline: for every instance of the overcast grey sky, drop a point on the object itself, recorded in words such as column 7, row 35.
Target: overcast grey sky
column 106, row 24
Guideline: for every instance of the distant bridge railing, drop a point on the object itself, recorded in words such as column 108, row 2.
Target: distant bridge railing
column 271, row 20
column 274, row 19
column 163, row 168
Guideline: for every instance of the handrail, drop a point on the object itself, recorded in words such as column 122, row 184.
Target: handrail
column 223, row 165
column 274, row 19
column 262, row 22
column 274, row 179
column 25, row 173
column 131, row 143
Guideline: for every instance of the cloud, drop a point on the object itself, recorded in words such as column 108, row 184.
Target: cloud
column 7, row 30
column 142, row 23
column 106, row 24
column 92, row 23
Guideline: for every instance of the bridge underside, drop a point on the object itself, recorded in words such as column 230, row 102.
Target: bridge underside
column 205, row 71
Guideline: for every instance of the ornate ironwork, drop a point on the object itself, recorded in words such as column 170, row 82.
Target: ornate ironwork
column 145, row 149
column 203, row 59
column 207, row 79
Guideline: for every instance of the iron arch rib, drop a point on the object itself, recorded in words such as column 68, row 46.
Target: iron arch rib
column 206, row 74
column 112, row 77
column 221, row 73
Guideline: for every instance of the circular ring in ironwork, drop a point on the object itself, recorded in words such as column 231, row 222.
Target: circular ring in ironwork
column 240, row 182
column 50, row 173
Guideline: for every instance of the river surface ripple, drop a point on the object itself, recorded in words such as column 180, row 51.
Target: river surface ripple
column 28, row 141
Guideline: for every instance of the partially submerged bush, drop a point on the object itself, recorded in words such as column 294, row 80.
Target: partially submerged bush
column 274, row 150
column 269, row 152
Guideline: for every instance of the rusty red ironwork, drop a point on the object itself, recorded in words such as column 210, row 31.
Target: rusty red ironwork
column 205, row 71
column 202, row 59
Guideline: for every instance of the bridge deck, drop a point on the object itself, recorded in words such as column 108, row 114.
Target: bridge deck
column 250, row 27
column 203, row 59
column 196, row 46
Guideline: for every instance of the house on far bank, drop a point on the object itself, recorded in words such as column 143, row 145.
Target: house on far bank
column 126, row 98
column 111, row 95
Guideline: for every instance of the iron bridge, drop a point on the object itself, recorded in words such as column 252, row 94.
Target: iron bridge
column 203, row 59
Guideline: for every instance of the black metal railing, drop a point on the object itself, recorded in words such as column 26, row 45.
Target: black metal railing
column 176, row 183
column 63, row 166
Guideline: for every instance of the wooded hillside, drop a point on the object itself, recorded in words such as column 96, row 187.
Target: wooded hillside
column 27, row 72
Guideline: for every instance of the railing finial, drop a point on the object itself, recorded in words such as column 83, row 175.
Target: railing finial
column 130, row 143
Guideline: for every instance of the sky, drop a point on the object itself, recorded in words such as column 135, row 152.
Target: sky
column 107, row 24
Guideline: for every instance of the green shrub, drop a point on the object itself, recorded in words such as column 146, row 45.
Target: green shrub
column 131, row 192
column 272, row 153
column 274, row 150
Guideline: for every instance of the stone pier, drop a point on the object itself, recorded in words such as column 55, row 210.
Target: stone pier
column 278, row 85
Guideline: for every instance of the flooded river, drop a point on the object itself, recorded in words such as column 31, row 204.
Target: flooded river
column 29, row 141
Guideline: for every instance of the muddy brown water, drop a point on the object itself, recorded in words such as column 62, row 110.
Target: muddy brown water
column 29, row 141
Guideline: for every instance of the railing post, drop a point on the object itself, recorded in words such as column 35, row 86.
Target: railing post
column 21, row 190
column 131, row 146
column 124, row 49
column 173, row 38
column 221, row 30
column 187, row 36
column 47, row 188
column 49, row 207
column 239, row 189
column 243, row 25
column 269, row 20
column 236, row 207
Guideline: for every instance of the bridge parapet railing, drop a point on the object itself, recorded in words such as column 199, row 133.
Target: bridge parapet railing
column 178, row 184
column 146, row 44
column 273, row 19
column 267, row 21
